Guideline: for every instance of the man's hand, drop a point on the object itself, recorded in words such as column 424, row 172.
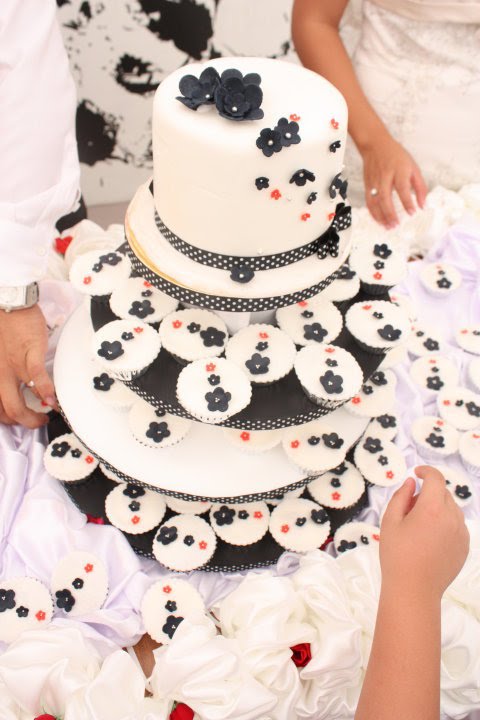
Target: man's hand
column 23, row 348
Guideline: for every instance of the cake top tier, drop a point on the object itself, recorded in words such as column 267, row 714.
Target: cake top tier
column 230, row 184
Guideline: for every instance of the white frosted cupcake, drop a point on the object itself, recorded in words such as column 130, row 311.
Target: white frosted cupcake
column 109, row 391
column 468, row 338
column 253, row 441
column 339, row 488
column 184, row 543
column 263, row 352
column 193, row 334
column 434, row 373
column 459, row 407
column 213, row 390
column 124, row 348
column 99, row 272
column 378, row 265
column 345, row 286
column 240, row 524
column 26, row 604
column 440, row 279
column 356, row 534
column 314, row 447
column 66, row 459
column 473, row 374
column 166, row 604
column 156, row 428
column 328, row 374
column 380, row 461
column 138, row 299
column 376, row 397
column 311, row 321
column 434, row 437
column 377, row 326
column 422, row 341
column 79, row 583
column 458, row 484
column 133, row 509
column 469, row 448
column 299, row 525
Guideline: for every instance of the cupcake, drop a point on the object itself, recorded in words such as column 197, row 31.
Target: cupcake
column 356, row 534
column 138, row 299
column 66, row 459
column 439, row 279
column 385, row 425
column 109, row 391
column 240, row 524
column 435, row 439
column 184, row 543
column 133, row 509
column 458, row 484
column 310, row 322
column 314, row 447
column 193, row 334
column 299, row 525
column 166, row 604
column 469, row 448
column 26, row 604
column 459, row 407
column 422, row 341
column 187, row 507
column 377, row 326
column 253, row 441
column 213, row 390
column 379, row 266
column 339, row 488
column 473, row 374
column 79, row 583
column 344, row 287
column 468, row 338
column 328, row 374
column 99, row 272
column 380, row 461
column 156, row 428
column 263, row 352
column 434, row 373
column 125, row 348
column 376, row 397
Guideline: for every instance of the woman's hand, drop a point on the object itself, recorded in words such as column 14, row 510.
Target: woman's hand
column 387, row 166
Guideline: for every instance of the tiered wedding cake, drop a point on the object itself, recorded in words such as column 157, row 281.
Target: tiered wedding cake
column 227, row 362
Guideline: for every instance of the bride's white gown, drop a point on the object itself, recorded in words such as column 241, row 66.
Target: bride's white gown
column 423, row 79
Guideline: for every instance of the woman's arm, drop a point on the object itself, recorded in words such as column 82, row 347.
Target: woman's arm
column 424, row 543
column 387, row 165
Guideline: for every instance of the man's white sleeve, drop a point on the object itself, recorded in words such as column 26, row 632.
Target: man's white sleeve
column 39, row 169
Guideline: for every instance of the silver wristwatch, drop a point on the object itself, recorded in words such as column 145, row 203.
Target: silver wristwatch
column 18, row 298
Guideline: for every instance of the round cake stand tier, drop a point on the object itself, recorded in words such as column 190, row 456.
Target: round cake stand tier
column 89, row 497
column 203, row 466
column 278, row 405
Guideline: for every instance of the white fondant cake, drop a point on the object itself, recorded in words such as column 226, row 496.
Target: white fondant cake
column 205, row 169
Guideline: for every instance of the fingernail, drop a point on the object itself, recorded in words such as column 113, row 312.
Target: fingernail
column 411, row 211
column 51, row 401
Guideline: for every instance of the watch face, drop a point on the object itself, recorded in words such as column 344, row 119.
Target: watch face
column 12, row 296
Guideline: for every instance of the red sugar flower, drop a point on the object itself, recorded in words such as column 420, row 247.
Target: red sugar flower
column 294, row 444
column 147, row 284
column 464, row 332
column 210, row 367
column 331, row 216
column 294, row 117
column 302, row 303
column 138, row 329
column 376, row 537
column 356, row 400
column 87, row 280
column 336, row 496
column 446, row 402
column 245, row 436
column 40, row 615
column 366, row 307
column 167, row 589
column 89, row 459
column 301, row 654
column 135, row 519
column 334, row 124
column 263, row 335
column 285, row 528
column 257, row 514
column 276, row 194
column 305, row 216
column 177, row 324
column 377, row 275
column 202, row 545
column 330, row 350
column 88, row 567
column 389, row 474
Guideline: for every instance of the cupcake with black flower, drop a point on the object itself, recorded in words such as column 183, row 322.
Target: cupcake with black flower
column 377, row 326
column 124, row 349
column 137, row 299
column 434, row 437
column 155, row 428
column 379, row 266
column 68, row 460
column 263, row 352
column 329, row 375
column 240, row 523
column 97, row 273
column 315, row 447
column 193, row 334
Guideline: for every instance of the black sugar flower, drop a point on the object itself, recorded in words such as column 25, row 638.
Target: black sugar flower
column 193, row 327
column 239, row 97
column 158, row 431
column 338, row 185
column 473, row 409
column 307, row 314
column 134, row 491
column 332, row 384
column 134, row 506
column 335, row 482
column 224, row 515
column 141, row 309
column 313, row 440
column 332, row 441
column 65, row 600
column 218, row 400
column 214, row 379
column 444, row 283
column 379, row 265
column 111, row 259
column 311, row 198
column 103, row 382
column 110, row 350
column 300, row 177
column 382, row 251
column 319, row 516
column 127, row 336
column 431, row 345
column 171, row 624
column 367, row 389
column 188, row 540
column 387, row 421
column 434, row 383
column 333, row 147
column 269, row 141
column 199, row 91
column 378, row 378
column 340, row 470
column 383, row 460
column 78, row 583
column 314, row 332
column 345, row 545
column 389, row 333
column 300, row 521
column 346, row 273
column 171, row 606
column 167, row 534
column 288, row 130
column 463, row 492
column 241, row 274
column 262, row 183
column 261, row 346
column 212, row 337
column 243, row 515
column 436, row 441
column 76, row 453
column 257, row 364
column 60, row 449
column 372, row 445
column 7, row 600
column 22, row 611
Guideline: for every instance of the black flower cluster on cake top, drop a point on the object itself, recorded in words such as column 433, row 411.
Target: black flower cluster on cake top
column 236, row 96
column 284, row 134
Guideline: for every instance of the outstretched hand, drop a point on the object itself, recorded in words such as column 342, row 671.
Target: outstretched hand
column 424, row 537
column 23, row 348
column 388, row 167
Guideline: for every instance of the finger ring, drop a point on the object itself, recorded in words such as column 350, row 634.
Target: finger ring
column 373, row 192
column 30, row 384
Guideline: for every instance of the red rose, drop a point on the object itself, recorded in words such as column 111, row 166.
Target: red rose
column 301, row 654
column 181, row 712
